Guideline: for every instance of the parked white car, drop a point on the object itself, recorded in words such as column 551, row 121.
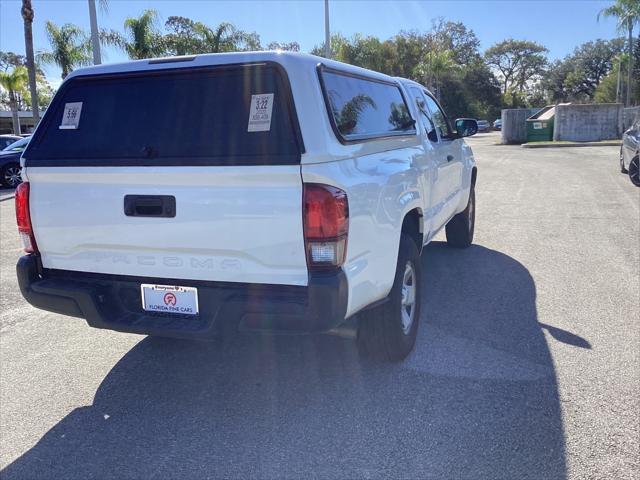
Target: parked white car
column 263, row 190
column 630, row 152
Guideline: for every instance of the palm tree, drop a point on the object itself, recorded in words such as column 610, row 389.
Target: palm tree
column 434, row 66
column 225, row 38
column 70, row 47
column 15, row 82
column 628, row 14
column 218, row 39
column 27, row 18
column 141, row 39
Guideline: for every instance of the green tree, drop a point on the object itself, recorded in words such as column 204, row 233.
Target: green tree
column 226, row 38
column 15, row 83
column 188, row 37
column 519, row 64
column 434, row 66
column 284, row 46
column 411, row 47
column 182, row 38
column 607, row 89
column 141, row 39
column 70, row 47
column 364, row 51
column 27, row 19
column 576, row 77
column 455, row 37
column 627, row 12
column 9, row 60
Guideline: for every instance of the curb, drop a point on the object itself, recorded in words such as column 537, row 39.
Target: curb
column 577, row 144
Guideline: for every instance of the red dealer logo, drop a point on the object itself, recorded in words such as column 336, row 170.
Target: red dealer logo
column 170, row 299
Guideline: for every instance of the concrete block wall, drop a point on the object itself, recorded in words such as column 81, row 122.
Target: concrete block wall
column 629, row 116
column 514, row 124
column 588, row 123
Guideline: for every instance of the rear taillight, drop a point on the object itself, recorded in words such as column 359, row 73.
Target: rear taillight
column 24, row 218
column 326, row 225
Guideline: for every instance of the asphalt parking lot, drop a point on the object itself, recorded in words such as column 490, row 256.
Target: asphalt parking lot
column 526, row 366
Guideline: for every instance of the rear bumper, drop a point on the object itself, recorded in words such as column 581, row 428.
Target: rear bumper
column 114, row 302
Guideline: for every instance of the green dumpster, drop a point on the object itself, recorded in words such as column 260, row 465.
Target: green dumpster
column 540, row 125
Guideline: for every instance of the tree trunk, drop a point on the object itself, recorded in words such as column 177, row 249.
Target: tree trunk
column 630, row 67
column 13, row 104
column 95, row 39
column 27, row 16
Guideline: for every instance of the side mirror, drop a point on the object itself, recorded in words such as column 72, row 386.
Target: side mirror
column 466, row 127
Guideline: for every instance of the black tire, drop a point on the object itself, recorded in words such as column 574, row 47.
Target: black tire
column 382, row 332
column 634, row 170
column 9, row 177
column 461, row 227
column 622, row 169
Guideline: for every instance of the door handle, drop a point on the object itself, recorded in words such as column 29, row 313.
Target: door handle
column 150, row 206
column 449, row 158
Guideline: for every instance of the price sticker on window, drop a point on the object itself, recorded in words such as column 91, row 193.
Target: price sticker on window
column 71, row 116
column 260, row 113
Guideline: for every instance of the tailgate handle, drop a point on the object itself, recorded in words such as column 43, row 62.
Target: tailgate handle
column 150, row 206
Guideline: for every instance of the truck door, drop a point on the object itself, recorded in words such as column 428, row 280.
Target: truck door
column 429, row 161
column 447, row 184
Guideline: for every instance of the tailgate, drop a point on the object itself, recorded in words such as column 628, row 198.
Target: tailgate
column 188, row 136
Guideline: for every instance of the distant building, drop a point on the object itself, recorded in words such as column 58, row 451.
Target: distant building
column 26, row 122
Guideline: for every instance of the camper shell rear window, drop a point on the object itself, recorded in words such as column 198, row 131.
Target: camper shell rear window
column 185, row 116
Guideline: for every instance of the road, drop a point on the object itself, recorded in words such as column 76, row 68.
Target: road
column 526, row 365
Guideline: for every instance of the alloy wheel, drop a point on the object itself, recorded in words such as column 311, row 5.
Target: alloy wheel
column 12, row 177
column 408, row 302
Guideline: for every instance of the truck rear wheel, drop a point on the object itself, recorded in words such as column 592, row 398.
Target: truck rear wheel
column 389, row 331
column 461, row 227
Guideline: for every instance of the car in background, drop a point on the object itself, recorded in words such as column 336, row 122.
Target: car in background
column 630, row 152
column 497, row 124
column 6, row 140
column 10, row 163
column 484, row 126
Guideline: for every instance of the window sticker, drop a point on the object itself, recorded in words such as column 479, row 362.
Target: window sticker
column 71, row 116
column 260, row 113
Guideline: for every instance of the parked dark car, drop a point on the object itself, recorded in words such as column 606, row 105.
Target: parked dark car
column 497, row 124
column 10, row 163
column 630, row 152
column 6, row 140
column 484, row 126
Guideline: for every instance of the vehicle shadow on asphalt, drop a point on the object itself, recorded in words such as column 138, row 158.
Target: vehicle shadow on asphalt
column 477, row 399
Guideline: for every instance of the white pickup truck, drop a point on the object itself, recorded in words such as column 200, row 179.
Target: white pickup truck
column 262, row 190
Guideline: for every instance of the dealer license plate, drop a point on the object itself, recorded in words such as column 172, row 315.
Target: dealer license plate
column 169, row 299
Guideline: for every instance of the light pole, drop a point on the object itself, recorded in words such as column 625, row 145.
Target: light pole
column 327, row 36
column 618, row 81
column 95, row 40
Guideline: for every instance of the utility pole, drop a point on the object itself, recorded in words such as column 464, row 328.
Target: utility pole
column 95, row 40
column 327, row 35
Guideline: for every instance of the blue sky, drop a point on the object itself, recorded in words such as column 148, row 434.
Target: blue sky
column 558, row 24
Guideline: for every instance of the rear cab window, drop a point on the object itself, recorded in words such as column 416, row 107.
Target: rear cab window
column 217, row 115
column 362, row 108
